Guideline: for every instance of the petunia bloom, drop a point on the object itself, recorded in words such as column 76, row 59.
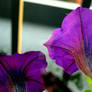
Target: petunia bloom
column 22, row 72
column 71, row 44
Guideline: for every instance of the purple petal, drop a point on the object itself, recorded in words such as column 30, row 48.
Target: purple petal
column 3, row 89
column 86, row 21
column 35, row 66
column 61, row 55
column 11, row 62
column 31, row 56
column 32, row 86
column 19, row 61
column 31, row 63
column 75, row 38
column 5, row 81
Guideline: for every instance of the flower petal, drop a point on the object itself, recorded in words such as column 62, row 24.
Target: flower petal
column 61, row 55
column 5, row 81
column 32, row 86
column 4, row 89
column 86, row 21
column 11, row 62
column 75, row 38
column 30, row 56
column 35, row 66
column 30, row 64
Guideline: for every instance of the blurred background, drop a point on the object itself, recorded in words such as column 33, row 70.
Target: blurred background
column 40, row 18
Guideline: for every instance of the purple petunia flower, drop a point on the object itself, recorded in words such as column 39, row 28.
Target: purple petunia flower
column 22, row 72
column 71, row 45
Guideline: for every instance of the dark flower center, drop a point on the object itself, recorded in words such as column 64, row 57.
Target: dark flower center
column 18, row 79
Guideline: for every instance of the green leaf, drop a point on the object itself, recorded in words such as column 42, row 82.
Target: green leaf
column 87, row 90
column 89, row 81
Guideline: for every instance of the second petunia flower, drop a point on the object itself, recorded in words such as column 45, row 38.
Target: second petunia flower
column 71, row 45
column 22, row 72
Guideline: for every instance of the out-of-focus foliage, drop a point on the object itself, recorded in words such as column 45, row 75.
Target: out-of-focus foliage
column 53, row 84
column 87, row 90
column 77, row 79
column 89, row 81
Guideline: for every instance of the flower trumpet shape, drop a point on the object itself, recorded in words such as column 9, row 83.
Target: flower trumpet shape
column 22, row 72
column 71, row 45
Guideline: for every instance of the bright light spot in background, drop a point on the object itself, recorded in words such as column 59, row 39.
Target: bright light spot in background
column 54, row 3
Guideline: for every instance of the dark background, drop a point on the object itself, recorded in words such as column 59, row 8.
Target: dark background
column 36, row 13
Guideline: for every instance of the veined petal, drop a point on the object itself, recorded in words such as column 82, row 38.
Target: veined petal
column 4, row 89
column 86, row 21
column 34, row 68
column 23, row 67
column 32, row 86
column 75, row 38
column 31, row 56
column 11, row 62
column 20, row 61
column 62, row 56
column 3, row 80
column 6, row 84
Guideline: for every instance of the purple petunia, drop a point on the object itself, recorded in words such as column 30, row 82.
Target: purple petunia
column 71, row 45
column 22, row 72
